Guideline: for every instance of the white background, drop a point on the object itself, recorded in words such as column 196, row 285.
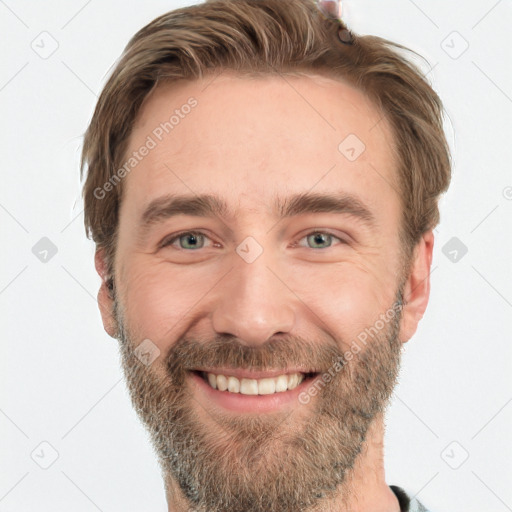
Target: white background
column 61, row 378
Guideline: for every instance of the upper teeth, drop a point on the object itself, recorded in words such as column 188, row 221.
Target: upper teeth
column 265, row 386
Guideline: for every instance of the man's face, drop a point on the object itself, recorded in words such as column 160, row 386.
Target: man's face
column 252, row 290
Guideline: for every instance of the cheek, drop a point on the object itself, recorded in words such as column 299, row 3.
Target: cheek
column 157, row 298
column 347, row 297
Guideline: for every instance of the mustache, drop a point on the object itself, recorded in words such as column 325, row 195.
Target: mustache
column 225, row 351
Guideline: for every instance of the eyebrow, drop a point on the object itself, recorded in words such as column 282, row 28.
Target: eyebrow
column 208, row 205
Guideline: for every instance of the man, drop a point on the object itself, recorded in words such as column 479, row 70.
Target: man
column 262, row 187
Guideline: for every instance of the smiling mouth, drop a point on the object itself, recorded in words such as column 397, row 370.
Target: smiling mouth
column 247, row 386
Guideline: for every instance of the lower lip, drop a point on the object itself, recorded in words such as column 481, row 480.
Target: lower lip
column 238, row 402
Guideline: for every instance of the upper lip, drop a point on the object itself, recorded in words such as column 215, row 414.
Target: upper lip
column 240, row 373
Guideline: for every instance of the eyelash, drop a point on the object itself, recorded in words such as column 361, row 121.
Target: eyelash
column 169, row 241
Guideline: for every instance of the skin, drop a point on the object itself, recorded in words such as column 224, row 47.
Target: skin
column 247, row 140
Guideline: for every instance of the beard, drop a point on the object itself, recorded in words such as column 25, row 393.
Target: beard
column 277, row 462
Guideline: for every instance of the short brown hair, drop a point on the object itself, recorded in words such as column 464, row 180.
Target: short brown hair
column 268, row 37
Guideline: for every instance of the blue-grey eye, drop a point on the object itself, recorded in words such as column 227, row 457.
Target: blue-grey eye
column 320, row 238
column 194, row 240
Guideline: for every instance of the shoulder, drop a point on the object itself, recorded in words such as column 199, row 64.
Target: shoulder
column 407, row 503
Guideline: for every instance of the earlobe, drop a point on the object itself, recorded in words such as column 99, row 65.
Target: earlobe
column 105, row 296
column 417, row 287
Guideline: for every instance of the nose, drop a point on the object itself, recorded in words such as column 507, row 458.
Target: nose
column 253, row 303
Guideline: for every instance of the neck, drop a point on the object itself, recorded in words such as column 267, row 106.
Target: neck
column 364, row 490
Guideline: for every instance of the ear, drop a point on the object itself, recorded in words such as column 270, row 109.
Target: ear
column 105, row 298
column 417, row 287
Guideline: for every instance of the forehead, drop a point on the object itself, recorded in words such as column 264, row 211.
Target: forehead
column 251, row 139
